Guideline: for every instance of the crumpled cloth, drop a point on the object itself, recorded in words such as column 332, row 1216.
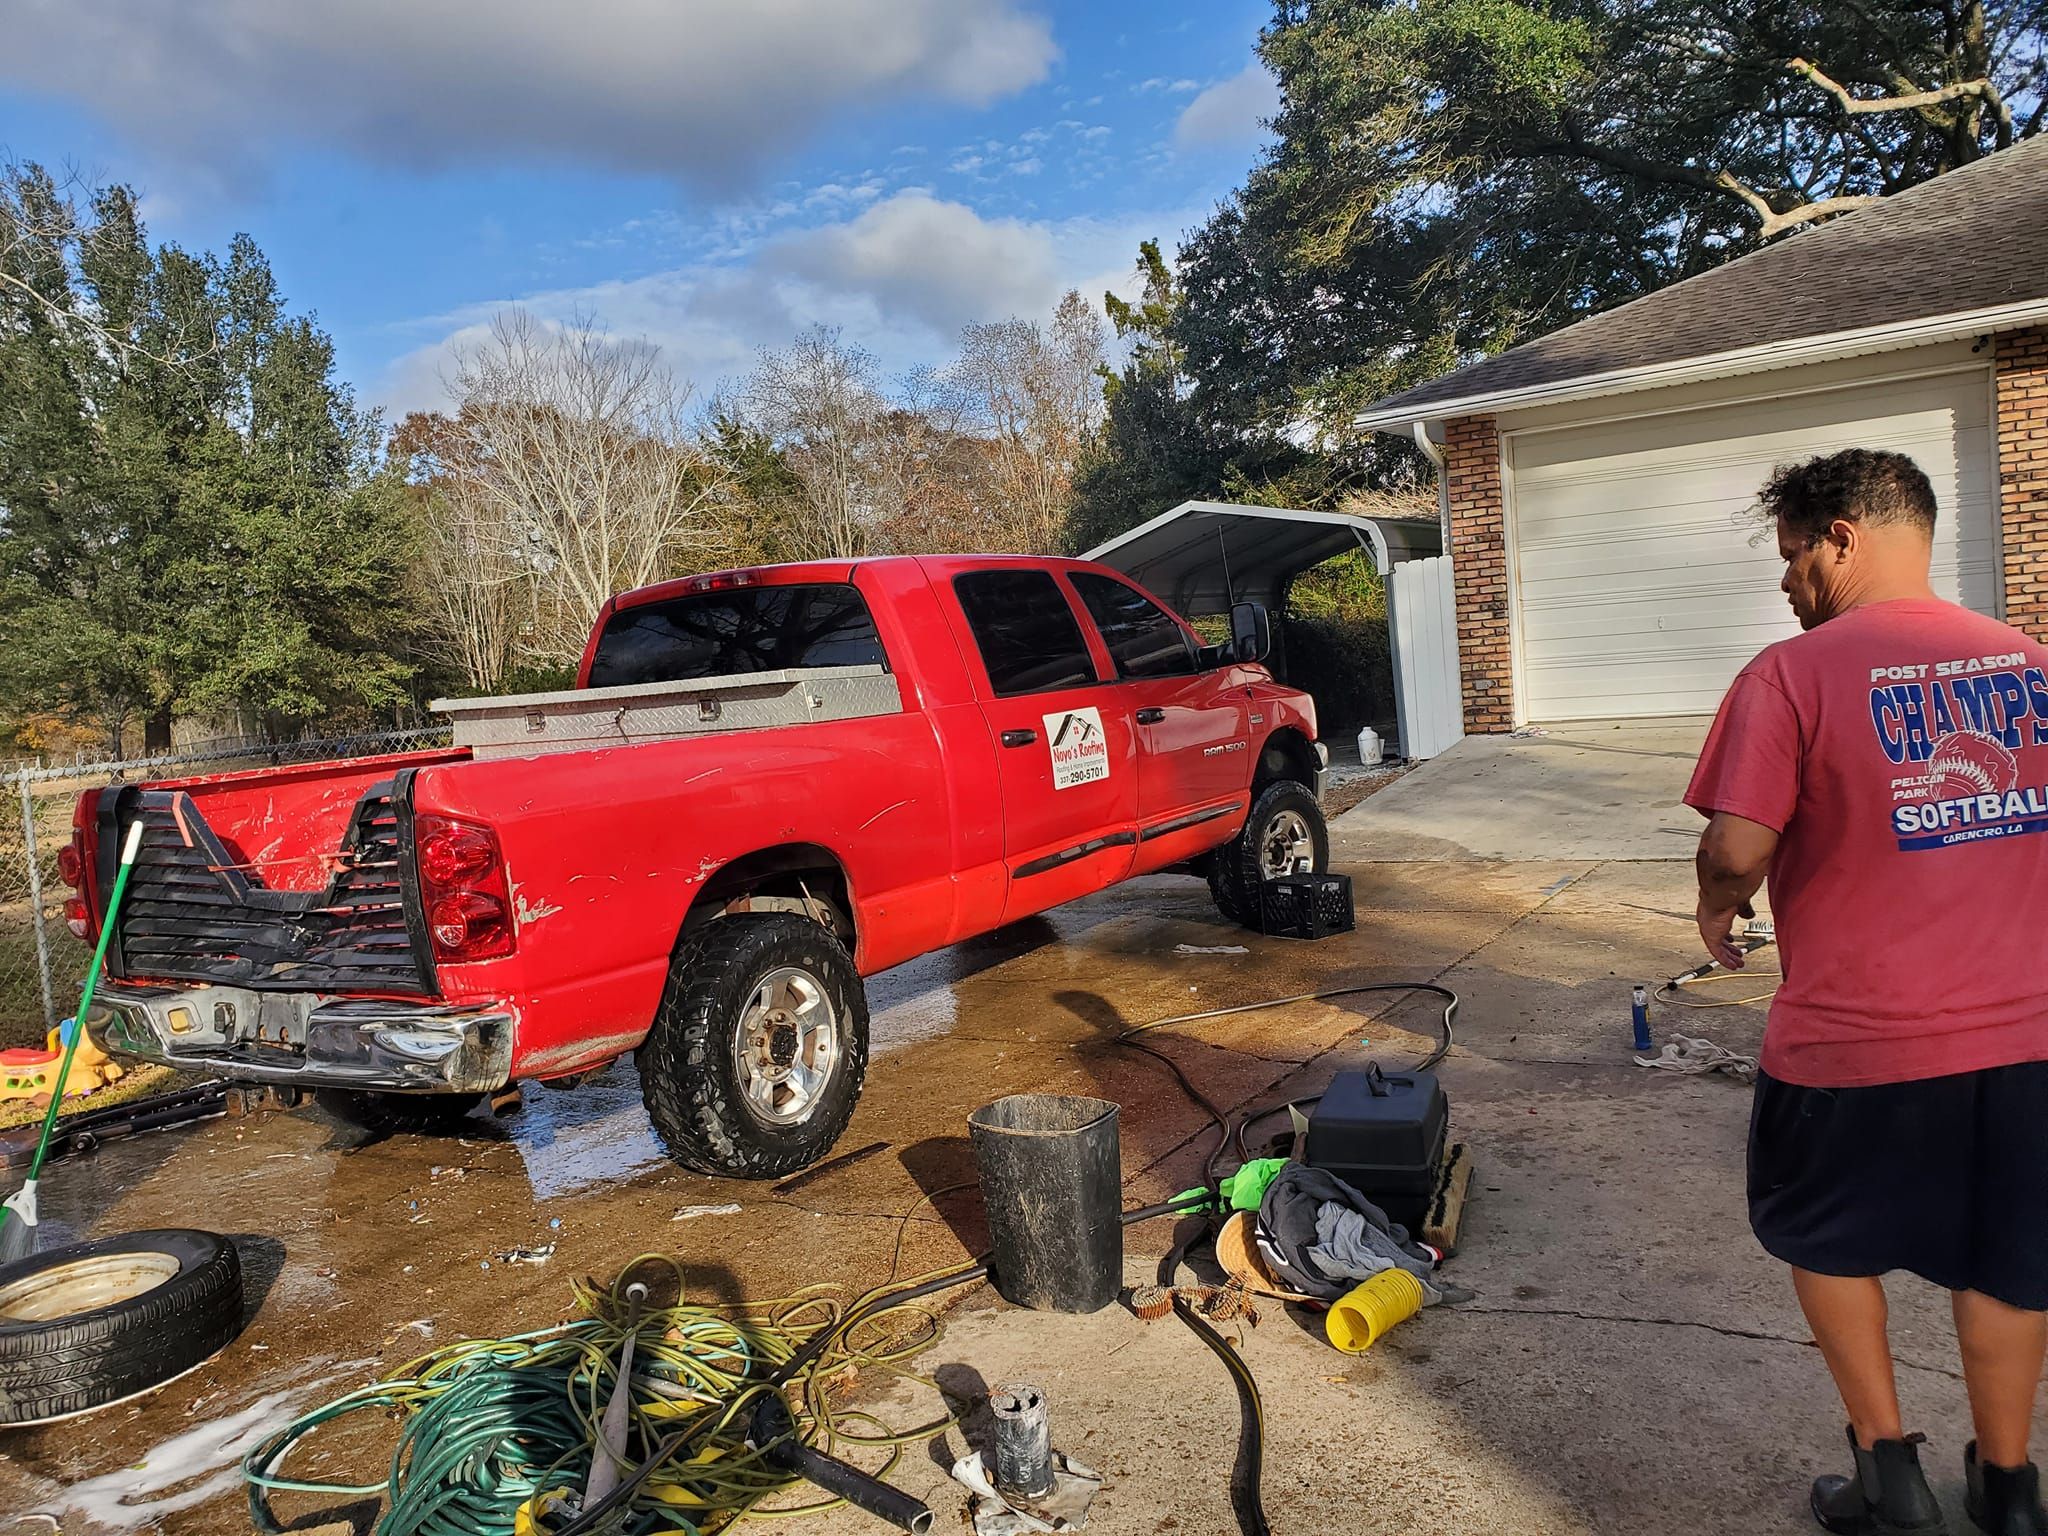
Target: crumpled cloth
column 1292, row 1229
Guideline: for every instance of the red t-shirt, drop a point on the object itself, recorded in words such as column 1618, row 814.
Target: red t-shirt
column 1901, row 751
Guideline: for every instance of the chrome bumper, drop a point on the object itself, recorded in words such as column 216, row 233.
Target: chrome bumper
column 302, row 1039
column 1322, row 770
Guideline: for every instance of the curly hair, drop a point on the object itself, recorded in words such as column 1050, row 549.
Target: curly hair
column 1866, row 485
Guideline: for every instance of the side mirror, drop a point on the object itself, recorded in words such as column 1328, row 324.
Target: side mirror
column 1251, row 632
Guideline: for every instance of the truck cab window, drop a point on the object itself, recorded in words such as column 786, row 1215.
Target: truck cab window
column 1027, row 635
column 1143, row 639
column 739, row 629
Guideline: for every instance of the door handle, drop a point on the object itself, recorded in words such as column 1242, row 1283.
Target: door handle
column 1019, row 738
column 1150, row 716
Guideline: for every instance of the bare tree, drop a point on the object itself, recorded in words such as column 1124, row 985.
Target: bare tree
column 819, row 401
column 575, row 464
column 473, row 584
column 1035, row 394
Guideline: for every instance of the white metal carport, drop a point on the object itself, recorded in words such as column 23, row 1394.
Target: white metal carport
column 1204, row 555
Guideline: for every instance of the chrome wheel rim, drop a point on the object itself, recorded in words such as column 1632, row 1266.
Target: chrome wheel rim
column 1285, row 842
column 787, row 1046
column 85, row 1285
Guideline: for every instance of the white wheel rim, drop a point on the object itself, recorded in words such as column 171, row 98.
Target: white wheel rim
column 84, row 1285
column 1284, row 844
column 786, row 1046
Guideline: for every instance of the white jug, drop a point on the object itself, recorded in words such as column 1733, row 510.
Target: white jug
column 1370, row 750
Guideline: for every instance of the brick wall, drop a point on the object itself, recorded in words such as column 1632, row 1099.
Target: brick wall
column 2023, row 476
column 1479, row 563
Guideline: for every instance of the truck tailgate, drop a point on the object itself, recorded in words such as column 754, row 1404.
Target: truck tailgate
column 292, row 879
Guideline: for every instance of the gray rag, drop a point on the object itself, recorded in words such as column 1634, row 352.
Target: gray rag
column 1350, row 1246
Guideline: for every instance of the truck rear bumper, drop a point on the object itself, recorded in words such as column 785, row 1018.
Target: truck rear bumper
column 302, row 1039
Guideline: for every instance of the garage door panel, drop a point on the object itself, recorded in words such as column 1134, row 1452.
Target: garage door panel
column 1642, row 582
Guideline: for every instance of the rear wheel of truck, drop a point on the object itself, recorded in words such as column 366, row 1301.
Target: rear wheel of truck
column 397, row 1114
column 1285, row 827
column 756, row 1057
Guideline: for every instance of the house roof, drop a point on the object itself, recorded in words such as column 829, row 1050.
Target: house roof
column 1962, row 254
column 1203, row 555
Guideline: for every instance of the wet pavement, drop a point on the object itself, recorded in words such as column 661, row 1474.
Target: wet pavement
column 1631, row 1354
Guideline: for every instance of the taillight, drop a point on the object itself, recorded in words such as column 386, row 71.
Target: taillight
column 462, row 888
column 453, row 855
column 74, row 864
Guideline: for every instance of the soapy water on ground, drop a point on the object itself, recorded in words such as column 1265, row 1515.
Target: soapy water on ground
column 184, row 1472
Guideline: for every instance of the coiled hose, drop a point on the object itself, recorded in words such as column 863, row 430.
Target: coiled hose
column 491, row 1425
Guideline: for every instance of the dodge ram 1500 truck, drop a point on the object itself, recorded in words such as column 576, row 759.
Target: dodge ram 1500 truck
column 767, row 785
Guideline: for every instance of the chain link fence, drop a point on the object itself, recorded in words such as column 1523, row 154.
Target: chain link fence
column 42, row 966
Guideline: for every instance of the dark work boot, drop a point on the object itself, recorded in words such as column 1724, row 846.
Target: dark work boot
column 1887, row 1496
column 2006, row 1501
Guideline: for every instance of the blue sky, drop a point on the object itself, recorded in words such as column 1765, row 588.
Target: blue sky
column 710, row 174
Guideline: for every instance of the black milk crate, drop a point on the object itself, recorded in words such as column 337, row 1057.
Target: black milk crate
column 1306, row 906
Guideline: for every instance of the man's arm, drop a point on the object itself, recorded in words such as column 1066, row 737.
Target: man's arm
column 1735, row 855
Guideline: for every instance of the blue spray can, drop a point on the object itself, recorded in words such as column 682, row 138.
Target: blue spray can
column 1639, row 1007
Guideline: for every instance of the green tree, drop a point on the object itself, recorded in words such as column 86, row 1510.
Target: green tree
column 1164, row 439
column 1449, row 177
column 193, row 515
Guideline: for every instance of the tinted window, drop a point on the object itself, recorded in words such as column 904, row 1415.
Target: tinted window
column 1027, row 634
column 1142, row 637
column 741, row 629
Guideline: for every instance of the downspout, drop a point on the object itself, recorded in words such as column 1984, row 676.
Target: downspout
column 1433, row 451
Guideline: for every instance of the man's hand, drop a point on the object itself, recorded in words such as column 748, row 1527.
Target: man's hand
column 1735, row 855
column 1717, row 927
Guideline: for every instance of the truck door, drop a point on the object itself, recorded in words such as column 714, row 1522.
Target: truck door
column 1066, row 762
column 1194, row 755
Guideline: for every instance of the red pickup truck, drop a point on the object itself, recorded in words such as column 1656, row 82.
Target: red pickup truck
column 696, row 878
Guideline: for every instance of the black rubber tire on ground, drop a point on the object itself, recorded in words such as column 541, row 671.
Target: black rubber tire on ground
column 1235, row 874
column 396, row 1114
column 689, row 1062
column 63, row 1362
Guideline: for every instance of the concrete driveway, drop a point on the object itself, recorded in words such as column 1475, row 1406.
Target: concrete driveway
column 1595, row 791
column 1632, row 1362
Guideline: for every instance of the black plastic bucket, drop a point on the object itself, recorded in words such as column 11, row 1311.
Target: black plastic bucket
column 1052, row 1178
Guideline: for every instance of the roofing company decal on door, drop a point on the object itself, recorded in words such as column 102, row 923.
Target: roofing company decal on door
column 1080, row 752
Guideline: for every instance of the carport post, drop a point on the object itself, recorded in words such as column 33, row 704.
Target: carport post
column 35, row 900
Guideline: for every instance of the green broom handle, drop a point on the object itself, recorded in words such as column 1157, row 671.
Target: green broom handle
column 99, row 957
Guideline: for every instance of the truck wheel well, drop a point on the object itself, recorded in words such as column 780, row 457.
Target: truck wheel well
column 797, row 877
column 1285, row 755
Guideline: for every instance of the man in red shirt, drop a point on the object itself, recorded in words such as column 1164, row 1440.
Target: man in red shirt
column 1888, row 770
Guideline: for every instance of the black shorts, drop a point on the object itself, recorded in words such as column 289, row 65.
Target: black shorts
column 1946, row 1178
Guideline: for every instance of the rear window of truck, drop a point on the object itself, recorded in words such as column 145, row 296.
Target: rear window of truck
column 736, row 629
column 1025, row 631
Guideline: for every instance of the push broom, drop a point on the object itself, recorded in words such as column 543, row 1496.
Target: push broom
column 18, row 1210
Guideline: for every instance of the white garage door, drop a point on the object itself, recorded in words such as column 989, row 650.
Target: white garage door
column 1639, row 590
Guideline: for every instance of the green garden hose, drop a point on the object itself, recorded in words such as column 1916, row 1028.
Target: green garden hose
column 489, row 1427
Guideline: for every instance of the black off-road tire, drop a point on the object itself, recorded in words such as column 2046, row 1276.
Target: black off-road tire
column 396, row 1114
column 1234, row 870
column 689, row 1069
column 65, row 1362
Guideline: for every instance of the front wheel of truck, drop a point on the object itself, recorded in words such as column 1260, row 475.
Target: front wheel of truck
column 1284, row 831
column 756, row 1056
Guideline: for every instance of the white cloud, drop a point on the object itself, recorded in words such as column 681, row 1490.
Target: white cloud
column 709, row 91
column 900, row 279
column 1231, row 111
column 938, row 263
